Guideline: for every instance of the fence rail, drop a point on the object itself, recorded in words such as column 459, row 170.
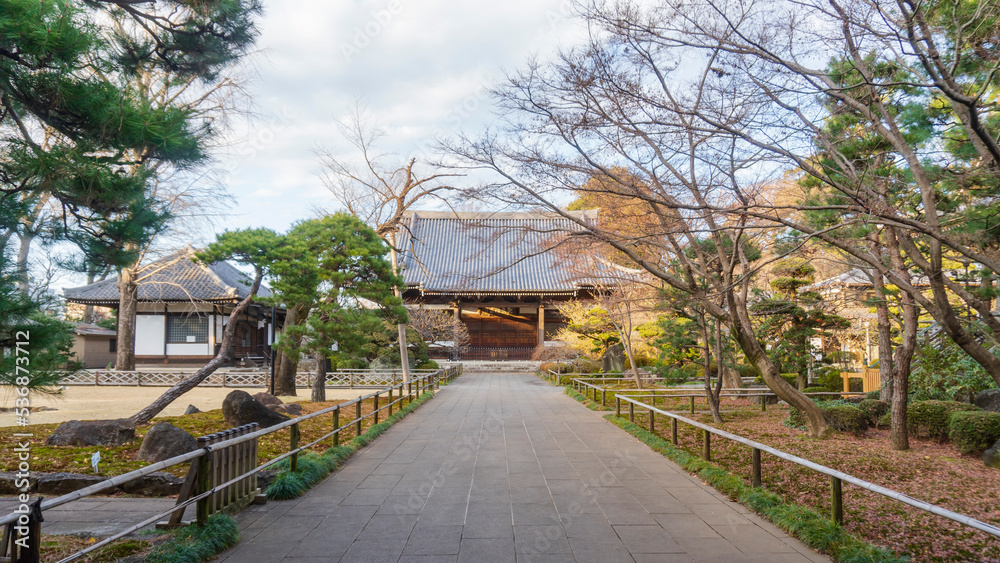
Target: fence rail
column 222, row 472
column 236, row 378
column 763, row 393
column 836, row 477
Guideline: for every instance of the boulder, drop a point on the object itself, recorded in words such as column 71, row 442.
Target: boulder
column 290, row 409
column 153, row 485
column 989, row 400
column 240, row 408
column 267, row 399
column 991, row 457
column 9, row 483
column 192, row 410
column 62, row 483
column 614, row 359
column 92, row 433
column 265, row 478
column 164, row 441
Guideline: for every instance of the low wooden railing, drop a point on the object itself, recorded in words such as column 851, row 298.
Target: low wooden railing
column 223, row 469
column 590, row 390
column 837, row 478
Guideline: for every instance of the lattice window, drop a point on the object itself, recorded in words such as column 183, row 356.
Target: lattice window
column 187, row 329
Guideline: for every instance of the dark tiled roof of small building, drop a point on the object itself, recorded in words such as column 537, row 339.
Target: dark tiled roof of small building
column 489, row 253
column 174, row 278
column 85, row 329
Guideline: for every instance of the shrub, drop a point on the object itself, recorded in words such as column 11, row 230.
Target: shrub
column 791, row 378
column 885, row 420
column 943, row 371
column 586, row 365
column 829, row 378
column 846, row 419
column 815, row 390
column 974, row 431
column 556, row 367
column 931, row 417
column 873, row 410
column 839, row 415
column 429, row 364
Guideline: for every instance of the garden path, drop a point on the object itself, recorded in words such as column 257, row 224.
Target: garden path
column 504, row 467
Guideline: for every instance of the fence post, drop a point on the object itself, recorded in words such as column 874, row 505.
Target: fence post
column 756, row 467
column 618, row 406
column 390, row 401
column 836, row 500
column 631, row 412
column 253, row 459
column 604, row 397
column 227, row 470
column 692, row 404
column 204, row 483
column 652, row 421
column 375, row 412
column 763, row 403
column 357, row 409
column 336, row 425
column 293, row 442
column 708, row 445
column 673, row 430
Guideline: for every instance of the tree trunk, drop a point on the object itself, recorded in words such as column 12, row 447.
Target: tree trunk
column 23, row 279
column 899, row 435
column 742, row 330
column 319, row 382
column 627, row 347
column 284, row 374
column 224, row 356
column 885, row 363
column 712, row 398
column 404, row 358
column 128, row 297
column 88, row 310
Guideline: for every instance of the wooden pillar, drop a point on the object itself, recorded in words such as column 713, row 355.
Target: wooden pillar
column 541, row 326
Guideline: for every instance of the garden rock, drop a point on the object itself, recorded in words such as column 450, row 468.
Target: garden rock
column 62, row 483
column 989, row 400
column 267, row 399
column 240, row 408
column 153, row 485
column 614, row 359
column 9, row 483
column 92, row 433
column 991, row 457
column 291, row 409
column 192, row 410
column 164, row 441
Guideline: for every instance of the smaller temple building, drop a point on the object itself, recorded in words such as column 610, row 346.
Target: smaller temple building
column 501, row 274
column 182, row 309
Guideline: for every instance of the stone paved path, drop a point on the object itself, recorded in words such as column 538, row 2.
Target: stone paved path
column 505, row 468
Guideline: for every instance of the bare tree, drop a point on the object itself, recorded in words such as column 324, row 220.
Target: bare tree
column 436, row 325
column 379, row 192
column 600, row 110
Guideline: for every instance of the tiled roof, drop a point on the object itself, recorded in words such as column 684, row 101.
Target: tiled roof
column 174, row 278
column 84, row 329
column 489, row 253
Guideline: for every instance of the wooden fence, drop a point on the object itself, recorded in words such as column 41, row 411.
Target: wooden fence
column 222, row 474
column 837, row 478
column 871, row 379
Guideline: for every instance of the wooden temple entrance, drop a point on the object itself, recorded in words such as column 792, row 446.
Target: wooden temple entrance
column 499, row 273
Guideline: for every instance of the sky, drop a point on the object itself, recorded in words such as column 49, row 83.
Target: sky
column 421, row 70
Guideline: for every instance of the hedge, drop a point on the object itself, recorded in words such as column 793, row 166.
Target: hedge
column 931, row 417
column 974, row 431
column 842, row 417
column 873, row 410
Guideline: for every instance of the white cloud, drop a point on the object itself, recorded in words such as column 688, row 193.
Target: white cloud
column 420, row 69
